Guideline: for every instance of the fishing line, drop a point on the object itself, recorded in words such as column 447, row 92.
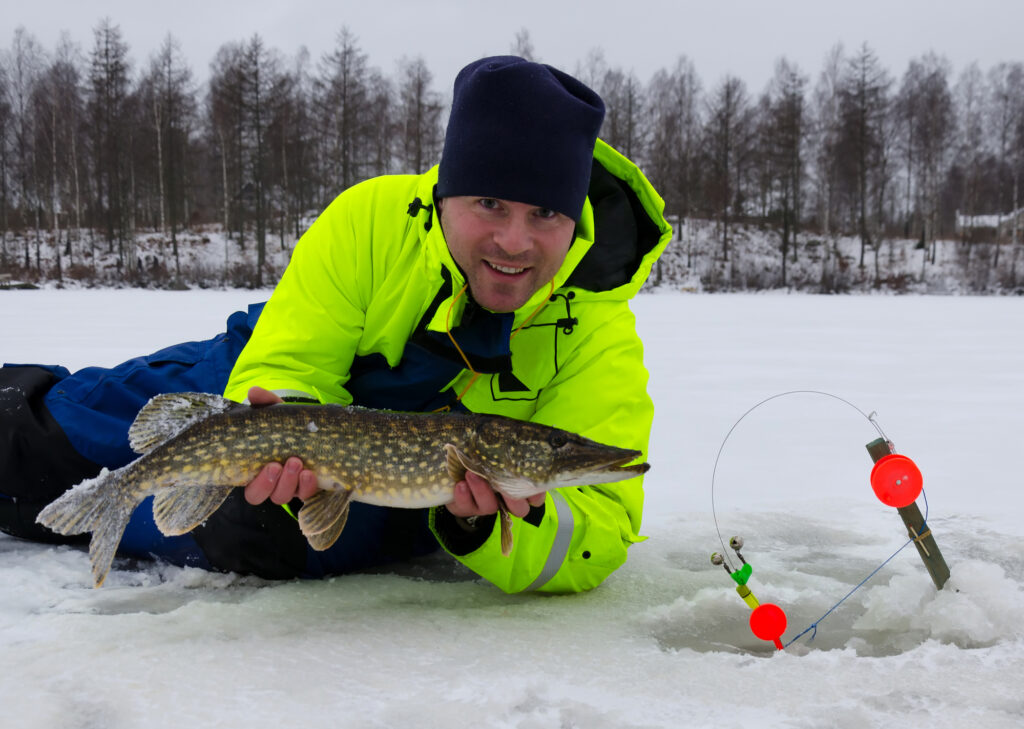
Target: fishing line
column 814, row 626
column 869, row 417
column 896, row 481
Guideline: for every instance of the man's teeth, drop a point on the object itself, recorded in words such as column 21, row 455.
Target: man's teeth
column 505, row 269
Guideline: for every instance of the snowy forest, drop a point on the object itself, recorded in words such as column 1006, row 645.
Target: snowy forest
column 850, row 176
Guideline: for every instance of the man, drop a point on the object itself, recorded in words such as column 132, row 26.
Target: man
column 497, row 282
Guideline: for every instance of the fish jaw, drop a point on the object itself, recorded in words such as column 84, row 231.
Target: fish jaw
column 584, row 463
column 608, row 474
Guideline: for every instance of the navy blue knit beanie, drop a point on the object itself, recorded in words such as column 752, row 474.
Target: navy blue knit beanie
column 520, row 131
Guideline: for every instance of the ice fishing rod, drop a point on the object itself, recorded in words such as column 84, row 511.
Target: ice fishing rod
column 896, row 482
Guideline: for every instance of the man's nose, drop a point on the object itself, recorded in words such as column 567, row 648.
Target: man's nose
column 513, row 235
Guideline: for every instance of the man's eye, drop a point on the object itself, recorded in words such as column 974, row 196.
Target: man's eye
column 545, row 213
column 489, row 203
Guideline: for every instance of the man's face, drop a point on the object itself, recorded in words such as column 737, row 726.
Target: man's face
column 508, row 250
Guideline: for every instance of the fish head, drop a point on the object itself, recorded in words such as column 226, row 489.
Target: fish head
column 520, row 459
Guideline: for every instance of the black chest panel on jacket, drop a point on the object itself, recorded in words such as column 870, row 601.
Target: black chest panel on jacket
column 430, row 360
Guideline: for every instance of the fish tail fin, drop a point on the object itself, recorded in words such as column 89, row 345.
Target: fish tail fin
column 103, row 506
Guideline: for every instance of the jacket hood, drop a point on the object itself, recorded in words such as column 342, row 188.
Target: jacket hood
column 628, row 222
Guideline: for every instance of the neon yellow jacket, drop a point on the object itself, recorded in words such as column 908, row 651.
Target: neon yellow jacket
column 368, row 270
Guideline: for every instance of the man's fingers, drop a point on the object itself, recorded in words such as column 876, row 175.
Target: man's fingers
column 281, row 484
column 484, row 497
column 288, row 484
column 260, row 488
column 519, row 507
column 308, row 484
column 259, row 397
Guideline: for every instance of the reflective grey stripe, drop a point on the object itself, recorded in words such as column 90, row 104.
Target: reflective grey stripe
column 559, row 547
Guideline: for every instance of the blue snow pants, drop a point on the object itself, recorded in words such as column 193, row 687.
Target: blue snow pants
column 92, row 410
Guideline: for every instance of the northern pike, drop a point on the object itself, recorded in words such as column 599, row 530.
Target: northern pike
column 196, row 447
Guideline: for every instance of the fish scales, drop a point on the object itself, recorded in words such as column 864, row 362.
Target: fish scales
column 386, row 459
column 196, row 447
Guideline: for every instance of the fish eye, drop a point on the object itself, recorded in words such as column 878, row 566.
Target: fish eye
column 557, row 440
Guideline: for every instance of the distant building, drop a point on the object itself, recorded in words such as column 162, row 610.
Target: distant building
column 989, row 228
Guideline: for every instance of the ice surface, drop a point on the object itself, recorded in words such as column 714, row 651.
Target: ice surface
column 664, row 642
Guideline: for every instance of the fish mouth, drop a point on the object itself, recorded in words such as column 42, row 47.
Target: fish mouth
column 619, row 465
column 615, row 469
column 636, row 468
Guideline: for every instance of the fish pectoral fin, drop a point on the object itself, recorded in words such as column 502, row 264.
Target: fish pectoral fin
column 456, row 462
column 506, row 530
column 180, row 510
column 459, row 464
column 323, row 516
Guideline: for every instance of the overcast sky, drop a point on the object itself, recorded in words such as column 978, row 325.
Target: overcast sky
column 741, row 37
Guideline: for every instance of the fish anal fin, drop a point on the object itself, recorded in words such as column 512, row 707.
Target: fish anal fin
column 180, row 510
column 322, row 517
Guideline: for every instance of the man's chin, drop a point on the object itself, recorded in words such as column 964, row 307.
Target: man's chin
column 500, row 302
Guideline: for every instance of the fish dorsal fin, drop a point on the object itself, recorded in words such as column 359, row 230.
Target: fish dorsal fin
column 180, row 510
column 323, row 517
column 166, row 415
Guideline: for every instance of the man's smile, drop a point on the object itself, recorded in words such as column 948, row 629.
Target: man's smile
column 508, row 270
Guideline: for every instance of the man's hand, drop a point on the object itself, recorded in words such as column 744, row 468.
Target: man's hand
column 280, row 483
column 475, row 497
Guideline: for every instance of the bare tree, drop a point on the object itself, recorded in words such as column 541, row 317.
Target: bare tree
column 728, row 133
column 24, row 69
column 825, row 136
column 672, row 153
column 927, row 83
column 57, row 106
column 624, row 109
column 260, row 77
column 292, row 172
column 341, row 93
column 784, row 141
column 6, row 126
column 864, row 100
column 226, row 121
column 168, row 103
column 1007, row 97
column 522, row 45
column 381, row 113
column 970, row 99
column 419, row 116
column 592, row 69
column 107, row 107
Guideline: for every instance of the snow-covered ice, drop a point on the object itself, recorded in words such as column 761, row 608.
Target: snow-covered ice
column 664, row 642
